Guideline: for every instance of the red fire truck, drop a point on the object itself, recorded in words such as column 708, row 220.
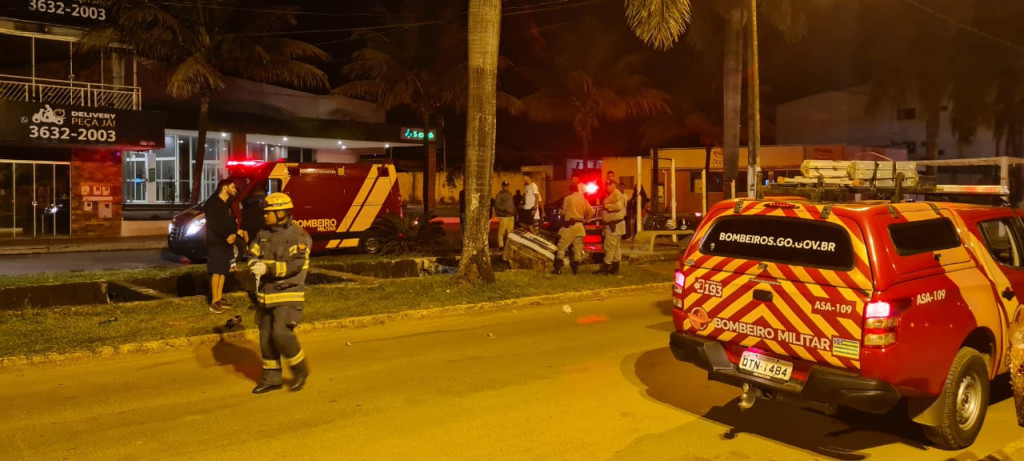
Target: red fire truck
column 335, row 203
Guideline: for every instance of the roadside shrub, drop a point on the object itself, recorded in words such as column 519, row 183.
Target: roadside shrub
column 412, row 233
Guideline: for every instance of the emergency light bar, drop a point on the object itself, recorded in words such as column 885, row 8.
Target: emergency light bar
column 231, row 163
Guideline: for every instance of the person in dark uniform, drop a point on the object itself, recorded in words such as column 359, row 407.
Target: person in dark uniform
column 279, row 258
column 221, row 234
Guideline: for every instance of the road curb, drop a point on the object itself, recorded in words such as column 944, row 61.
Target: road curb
column 79, row 248
column 352, row 322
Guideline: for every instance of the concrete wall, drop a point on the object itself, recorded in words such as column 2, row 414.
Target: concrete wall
column 298, row 103
column 139, row 228
column 410, row 185
column 782, row 160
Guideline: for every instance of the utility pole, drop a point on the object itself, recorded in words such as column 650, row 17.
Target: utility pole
column 754, row 106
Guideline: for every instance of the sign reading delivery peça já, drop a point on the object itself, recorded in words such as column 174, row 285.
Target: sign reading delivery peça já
column 42, row 123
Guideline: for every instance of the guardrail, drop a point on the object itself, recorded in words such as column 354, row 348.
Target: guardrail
column 70, row 93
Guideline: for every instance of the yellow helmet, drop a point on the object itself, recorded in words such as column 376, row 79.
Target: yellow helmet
column 277, row 201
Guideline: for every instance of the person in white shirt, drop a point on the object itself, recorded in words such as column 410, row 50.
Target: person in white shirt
column 532, row 204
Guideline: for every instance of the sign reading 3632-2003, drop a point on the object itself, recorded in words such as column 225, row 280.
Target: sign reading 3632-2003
column 72, row 8
column 49, row 123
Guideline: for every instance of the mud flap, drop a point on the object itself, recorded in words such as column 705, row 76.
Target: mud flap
column 926, row 411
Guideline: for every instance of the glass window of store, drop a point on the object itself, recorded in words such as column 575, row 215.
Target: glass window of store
column 266, row 152
column 164, row 175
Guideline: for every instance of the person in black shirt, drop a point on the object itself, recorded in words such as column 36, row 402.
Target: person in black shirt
column 221, row 233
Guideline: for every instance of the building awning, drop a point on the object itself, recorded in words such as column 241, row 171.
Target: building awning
column 301, row 132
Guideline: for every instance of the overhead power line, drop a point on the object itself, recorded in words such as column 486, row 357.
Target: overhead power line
column 968, row 27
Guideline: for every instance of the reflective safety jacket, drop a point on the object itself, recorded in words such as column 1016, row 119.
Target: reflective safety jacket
column 285, row 251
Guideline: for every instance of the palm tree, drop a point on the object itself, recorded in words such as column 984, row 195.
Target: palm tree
column 420, row 68
column 484, row 38
column 590, row 83
column 202, row 41
column 661, row 22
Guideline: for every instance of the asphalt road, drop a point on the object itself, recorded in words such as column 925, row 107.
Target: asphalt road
column 528, row 383
column 85, row 261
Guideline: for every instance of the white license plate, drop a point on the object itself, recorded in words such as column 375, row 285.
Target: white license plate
column 766, row 367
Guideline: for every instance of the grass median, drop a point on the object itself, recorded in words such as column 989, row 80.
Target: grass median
column 37, row 331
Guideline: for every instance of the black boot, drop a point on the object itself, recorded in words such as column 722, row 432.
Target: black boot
column 301, row 372
column 604, row 270
column 558, row 266
column 264, row 388
column 615, row 268
column 575, row 265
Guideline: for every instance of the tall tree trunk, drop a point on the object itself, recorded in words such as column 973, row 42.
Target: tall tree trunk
column 484, row 37
column 429, row 168
column 197, row 171
column 732, row 85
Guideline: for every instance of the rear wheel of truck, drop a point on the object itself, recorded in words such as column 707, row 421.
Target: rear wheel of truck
column 369, row 243
column 965, row 394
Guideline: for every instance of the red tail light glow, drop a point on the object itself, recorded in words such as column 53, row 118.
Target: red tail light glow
column 878, row 309
column 680, row 279
column 590, row 188
column 880, row 321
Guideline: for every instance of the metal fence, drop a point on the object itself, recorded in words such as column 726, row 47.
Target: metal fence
column 69, row 93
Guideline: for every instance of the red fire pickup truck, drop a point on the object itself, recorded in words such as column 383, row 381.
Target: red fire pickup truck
column 860, row 304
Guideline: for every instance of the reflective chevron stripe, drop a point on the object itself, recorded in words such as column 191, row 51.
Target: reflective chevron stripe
column 292, row 361
column 276, row 298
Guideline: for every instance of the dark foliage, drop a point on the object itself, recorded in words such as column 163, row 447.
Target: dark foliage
column 411, row 233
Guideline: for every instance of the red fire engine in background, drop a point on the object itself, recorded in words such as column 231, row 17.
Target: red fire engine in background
column 336, row 203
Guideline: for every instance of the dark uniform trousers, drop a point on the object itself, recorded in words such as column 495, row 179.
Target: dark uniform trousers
column 281, row 296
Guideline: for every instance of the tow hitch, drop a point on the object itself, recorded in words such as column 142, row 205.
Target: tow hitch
column 750, row 394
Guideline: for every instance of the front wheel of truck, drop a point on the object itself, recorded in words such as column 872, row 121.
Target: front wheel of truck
column 965, row 397
column 369, row 243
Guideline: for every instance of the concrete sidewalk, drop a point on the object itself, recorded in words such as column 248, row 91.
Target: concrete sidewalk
column 72, row 244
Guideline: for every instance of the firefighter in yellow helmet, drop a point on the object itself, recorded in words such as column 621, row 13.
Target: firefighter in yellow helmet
column 279, row 258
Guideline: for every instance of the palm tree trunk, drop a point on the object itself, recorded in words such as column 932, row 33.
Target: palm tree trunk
column 732, row 84
column 484, row 37
column 201, row 125
column 430, row 167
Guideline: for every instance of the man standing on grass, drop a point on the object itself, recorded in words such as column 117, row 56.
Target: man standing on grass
column 280, row 260
column 532, row 204
column 221, row 233
column 505, row 210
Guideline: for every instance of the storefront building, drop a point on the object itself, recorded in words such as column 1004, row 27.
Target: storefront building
column 65, row 124
column 80, row 151
column 249, row 121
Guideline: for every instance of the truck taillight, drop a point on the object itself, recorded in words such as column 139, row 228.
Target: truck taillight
column 677, row 290
column 880, row 321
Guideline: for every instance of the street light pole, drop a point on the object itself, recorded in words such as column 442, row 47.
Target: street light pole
column 754, row 106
